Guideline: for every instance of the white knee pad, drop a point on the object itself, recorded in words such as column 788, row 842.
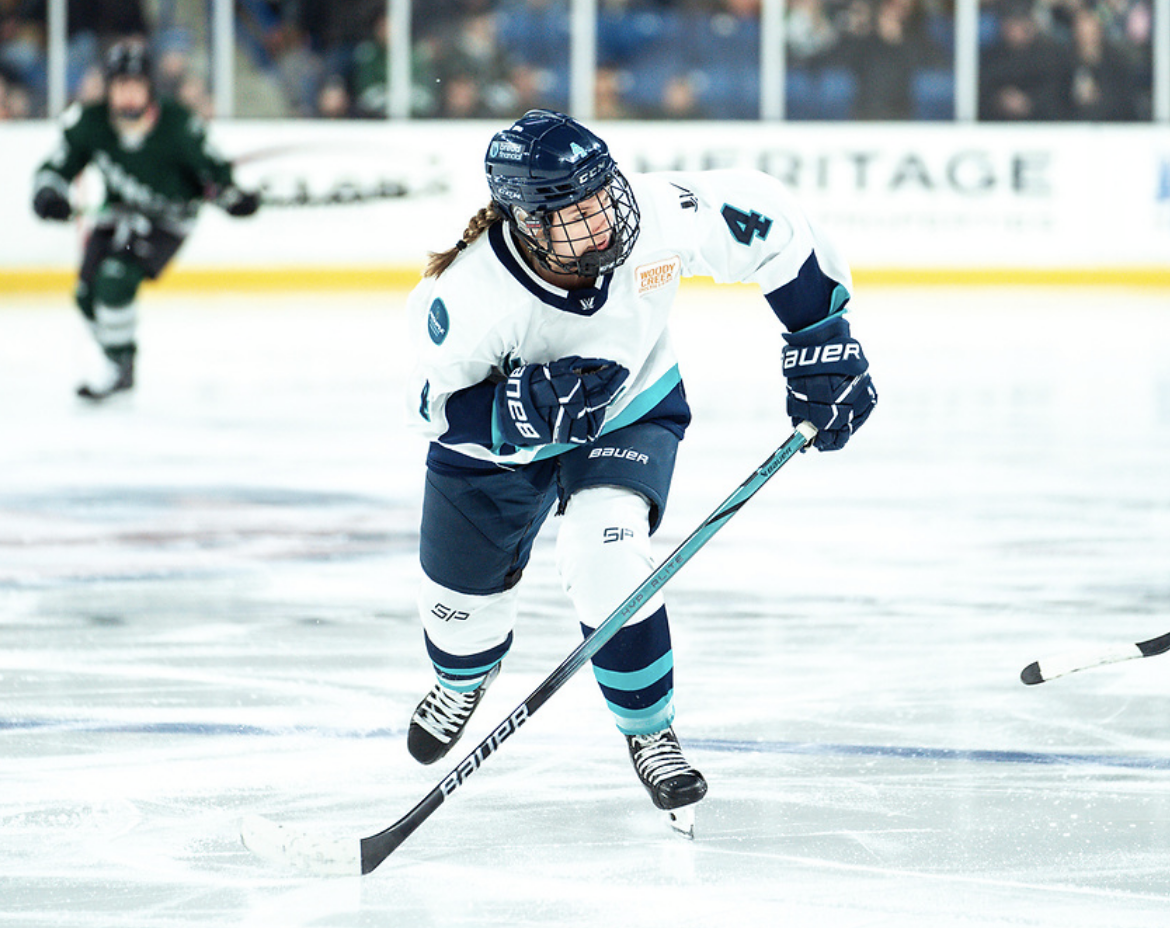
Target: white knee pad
column 460, row 623
column 603, row 552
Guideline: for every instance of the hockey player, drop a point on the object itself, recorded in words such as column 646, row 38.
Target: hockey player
column 157, row 169
column 546, row 378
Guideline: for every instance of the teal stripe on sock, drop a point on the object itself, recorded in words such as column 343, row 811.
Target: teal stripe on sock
column 461, row 687
column 631, row 681
column 463, row 680
column 645, row 721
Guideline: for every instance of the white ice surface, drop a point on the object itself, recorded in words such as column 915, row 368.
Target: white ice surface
column 206, row 611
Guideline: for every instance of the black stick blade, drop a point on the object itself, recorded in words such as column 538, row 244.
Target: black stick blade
column 1159, row 645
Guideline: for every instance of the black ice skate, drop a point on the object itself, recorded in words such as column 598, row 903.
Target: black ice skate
column 673, row 784
column 120, row 380
column 440, row 718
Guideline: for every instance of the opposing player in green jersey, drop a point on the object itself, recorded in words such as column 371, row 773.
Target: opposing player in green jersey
column 157, row 169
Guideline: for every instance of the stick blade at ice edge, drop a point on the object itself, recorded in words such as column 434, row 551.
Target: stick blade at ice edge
column 301, row 851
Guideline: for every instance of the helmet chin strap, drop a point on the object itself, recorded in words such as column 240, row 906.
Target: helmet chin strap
column 591, row 264
column 130, row 114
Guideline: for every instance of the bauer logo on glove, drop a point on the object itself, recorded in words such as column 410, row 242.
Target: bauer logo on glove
column 828, row 383
column 820, row 355
column 561, row 402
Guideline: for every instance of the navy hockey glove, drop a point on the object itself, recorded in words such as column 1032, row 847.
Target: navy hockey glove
column 50, row 204
column 827, row 382
column 237, row 202
column 562, row 402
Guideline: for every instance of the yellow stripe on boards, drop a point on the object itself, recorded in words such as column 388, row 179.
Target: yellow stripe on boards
column 14, row 281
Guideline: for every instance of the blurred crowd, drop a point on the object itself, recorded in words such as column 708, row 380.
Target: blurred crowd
column 1060, row 60
column 656, row 59
column 92, row 26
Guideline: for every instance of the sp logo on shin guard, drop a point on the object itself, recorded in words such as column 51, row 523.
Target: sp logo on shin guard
column 448, row 614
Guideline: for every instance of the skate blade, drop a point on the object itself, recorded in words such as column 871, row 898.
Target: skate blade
column 108, row 397
column 682, row 821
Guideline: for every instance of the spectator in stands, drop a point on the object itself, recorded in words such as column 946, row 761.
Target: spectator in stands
column 461, row 98
column 176, row 75
column 608, row 91
column 22, row 58
column 725, row 71
column 654, row 51
column 810, row 33
column 1104, row 86
column 194, row 94
column 1024, row 75
column 333, row 101
column 874, row 43
column 14, row 100
column 820, row 82
column 886, row 43
column 307, row 43
column 334, row 29
column 92, row 26
column 535, row 36
column 435, row 19
column 367, row 78
column 680, row 99
column 475, row 73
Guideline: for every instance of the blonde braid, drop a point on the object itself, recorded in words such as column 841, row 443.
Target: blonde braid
column 439, row 261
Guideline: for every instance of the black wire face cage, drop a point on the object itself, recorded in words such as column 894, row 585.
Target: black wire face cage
column 592, row 252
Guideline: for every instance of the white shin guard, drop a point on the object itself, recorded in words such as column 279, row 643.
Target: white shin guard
column 603, row 552
column 460, row 623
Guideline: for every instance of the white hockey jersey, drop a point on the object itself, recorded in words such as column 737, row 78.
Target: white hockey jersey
column 489, row 312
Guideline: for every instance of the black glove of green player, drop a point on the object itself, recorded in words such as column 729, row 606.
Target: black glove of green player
column 49, row 203
column 237, row 202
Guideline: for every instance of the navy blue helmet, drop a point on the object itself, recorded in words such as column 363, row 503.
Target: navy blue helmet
column 546, row 162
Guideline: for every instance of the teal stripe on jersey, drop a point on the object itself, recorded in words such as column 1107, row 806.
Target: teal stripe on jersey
column 839, row 298
column 637, row 408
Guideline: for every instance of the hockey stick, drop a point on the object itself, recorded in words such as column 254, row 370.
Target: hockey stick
column 1039, row 671
column 352, row 856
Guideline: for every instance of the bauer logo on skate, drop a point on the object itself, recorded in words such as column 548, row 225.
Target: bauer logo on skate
column 471, row 763
column 821, row 354
column 657, row 276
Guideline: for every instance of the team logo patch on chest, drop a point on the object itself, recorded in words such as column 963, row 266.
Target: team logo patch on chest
column 658, row 275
